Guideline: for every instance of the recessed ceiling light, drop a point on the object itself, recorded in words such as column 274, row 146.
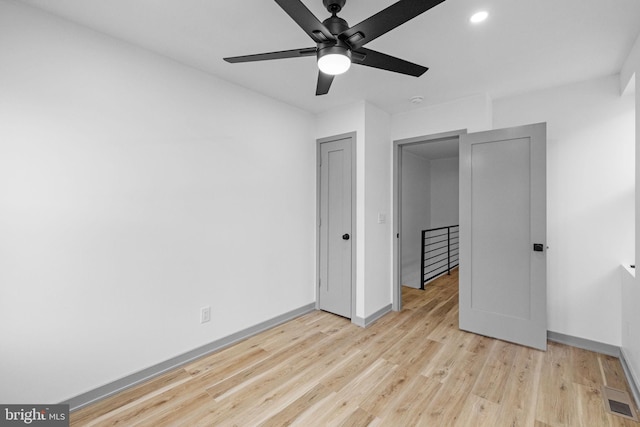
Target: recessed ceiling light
column 416, row 99
column 478, row 17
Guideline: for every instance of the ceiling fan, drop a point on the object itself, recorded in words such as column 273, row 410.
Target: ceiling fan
column 338, row 45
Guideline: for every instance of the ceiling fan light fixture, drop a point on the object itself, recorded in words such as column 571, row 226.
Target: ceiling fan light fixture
column 334, row 60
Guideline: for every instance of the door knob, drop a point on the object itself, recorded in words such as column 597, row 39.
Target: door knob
column 345, row 237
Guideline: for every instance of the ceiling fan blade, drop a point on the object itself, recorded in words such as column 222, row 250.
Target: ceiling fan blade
column 386, row 20
column 324, row 83
column 306, row 20
column 294, row 53
column 386, row 62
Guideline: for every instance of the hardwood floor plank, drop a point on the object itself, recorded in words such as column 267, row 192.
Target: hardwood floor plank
column 358, row 418
column 127, row 397
column 265, row 404
column 613, row 373
column 340, row 405
column 521, row 391
column 457, row 386
column 250, row 375
column 289, row 414
column 141, row 412
column 377, row 403
column 224, row 356
column 491, row 384
column 447, row 328
column 556, row 395
column 478, row 412
column 586, row 367
column 336, row 381
column 287, row 334
column 408, row 347
column 409, row 407
column 453, row 354
column 217, row 369
column 411, row 298
column 479, row 344
column 188, row 412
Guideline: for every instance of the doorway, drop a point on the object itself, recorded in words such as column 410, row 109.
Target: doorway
column 429, row 210
column 412, row 160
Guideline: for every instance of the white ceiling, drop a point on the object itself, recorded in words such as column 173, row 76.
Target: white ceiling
column 523, row 46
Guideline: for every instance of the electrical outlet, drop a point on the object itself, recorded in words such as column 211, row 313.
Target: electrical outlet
column 205, row 314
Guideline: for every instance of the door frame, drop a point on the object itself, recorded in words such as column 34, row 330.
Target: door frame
column 352, row 143
column 397, row 204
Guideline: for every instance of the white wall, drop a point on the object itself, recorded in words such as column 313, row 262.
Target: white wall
column 416, row 214
column 473, row 113
column 134, row 191
column 445, row 184
column 590, row 192
column 378, row 241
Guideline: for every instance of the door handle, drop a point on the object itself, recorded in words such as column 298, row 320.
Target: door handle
column 345, row 236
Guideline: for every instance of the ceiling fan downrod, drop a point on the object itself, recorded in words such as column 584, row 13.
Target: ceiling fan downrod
column 334, row 6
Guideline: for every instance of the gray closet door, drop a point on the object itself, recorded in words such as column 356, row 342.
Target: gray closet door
column 335, row 227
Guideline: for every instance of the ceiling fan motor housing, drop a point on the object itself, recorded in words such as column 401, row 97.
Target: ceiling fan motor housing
column 339, row 47
column 335, row 25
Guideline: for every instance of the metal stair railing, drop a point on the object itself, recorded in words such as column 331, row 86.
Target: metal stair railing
column 440, row 252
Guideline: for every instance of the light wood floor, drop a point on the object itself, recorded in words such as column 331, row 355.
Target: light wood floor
column 412, row 367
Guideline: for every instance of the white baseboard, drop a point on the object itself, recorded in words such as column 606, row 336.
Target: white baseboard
column 631, row 377
column 585, row 344
column 363, row 323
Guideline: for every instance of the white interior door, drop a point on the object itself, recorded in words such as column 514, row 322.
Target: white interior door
column 335, row 263
column 503, row 287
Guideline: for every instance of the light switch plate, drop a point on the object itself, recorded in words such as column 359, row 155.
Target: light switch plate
column 205, row 314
